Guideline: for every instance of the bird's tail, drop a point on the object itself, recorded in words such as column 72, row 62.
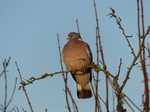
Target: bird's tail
column 85, row 92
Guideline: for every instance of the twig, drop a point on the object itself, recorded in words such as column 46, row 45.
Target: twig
column 5, row 100
column 138, row 20
column 113, row 99
column 73, row 102
column 77, row 26
column 95, row 96
column 7, row 63
column 5, row 106
column 16, row 108
column 115, row 82
column 102, row 101
column 23, row 87
column 128, row 104
column 118, row 21
column 133, row 103
column 148, row 50
column 13, row 92
column 64, row 76
column 142, row 54
column 98, row 45
column 130, row 68
column 119, row 68
column 23, row 110
column 142, row 17
column 46, row 110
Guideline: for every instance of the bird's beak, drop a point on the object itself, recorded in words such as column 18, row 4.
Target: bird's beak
column 68, row 38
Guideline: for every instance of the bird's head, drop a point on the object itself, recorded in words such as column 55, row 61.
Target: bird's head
column 74, row 36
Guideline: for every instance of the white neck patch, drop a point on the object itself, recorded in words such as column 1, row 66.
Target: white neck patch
column 80, row 39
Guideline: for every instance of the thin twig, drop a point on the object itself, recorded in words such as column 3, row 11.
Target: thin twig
column 119, row 68
column 23, row 87
column 13, row 92
column 64, row 76
column 16, row 108
column 130, row 68
column 142, row 17
column 113, row 104
column 118, row 21
column 128, row 104
column 78, row 26
column 5, row 100
column 7, row 63
column 115, row 82
column 138, row 20
column 46, row 110
column 133, row 103
column 5, row 107
column 94, row 89
column 102, row 101
column 73, row 102
column 98, row 45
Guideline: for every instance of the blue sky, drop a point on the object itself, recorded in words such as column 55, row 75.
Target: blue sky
column 28, row 33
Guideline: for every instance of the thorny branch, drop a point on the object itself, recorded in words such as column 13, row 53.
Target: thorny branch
column 142, row 35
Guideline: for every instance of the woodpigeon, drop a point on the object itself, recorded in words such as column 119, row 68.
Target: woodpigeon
column 77, row 56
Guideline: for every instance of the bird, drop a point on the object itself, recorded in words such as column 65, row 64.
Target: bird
column 77, row 56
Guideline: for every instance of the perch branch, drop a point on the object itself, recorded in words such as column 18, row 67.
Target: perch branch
column 92, row 65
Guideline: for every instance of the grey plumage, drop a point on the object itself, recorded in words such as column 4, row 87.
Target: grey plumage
column 77, row 56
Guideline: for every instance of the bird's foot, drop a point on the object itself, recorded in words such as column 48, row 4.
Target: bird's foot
column 73, row 71
column 84, row 70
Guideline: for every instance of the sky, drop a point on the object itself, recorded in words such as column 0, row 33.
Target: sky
column 28, row 34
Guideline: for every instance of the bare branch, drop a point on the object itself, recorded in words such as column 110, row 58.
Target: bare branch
column 5, row 100
column 23, row 87
column 130, row 68
column 119, row 68
column 143, row 54
column 133, row 103
column 32, row 79
column 78, row 26
column 128, row 104
column 65, row 77
column 6, row 65
column 13, row 92
column 118, row 21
